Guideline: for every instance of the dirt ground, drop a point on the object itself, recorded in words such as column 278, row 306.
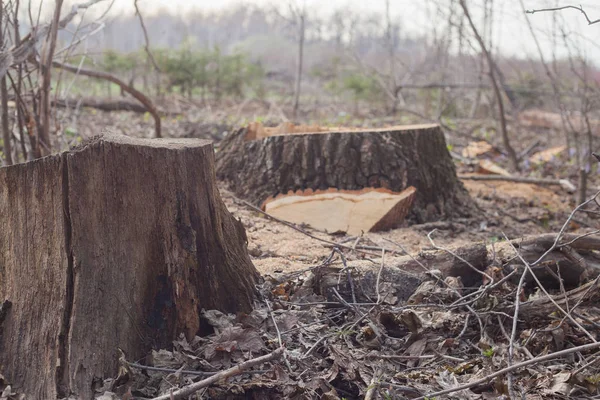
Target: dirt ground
column 514, row 209
column 508, row 208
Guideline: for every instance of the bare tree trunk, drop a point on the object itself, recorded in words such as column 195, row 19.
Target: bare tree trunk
column 19, row 84
column 392, row 56
column 298, row 83
column 155, row 66
column 5, row 128
column 512, row 155
column 4, row 104
column 477, row 101
column 46, row 70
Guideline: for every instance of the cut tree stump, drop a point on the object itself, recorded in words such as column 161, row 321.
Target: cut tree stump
column 348, row 211
column 259, row 163
column 119, row 243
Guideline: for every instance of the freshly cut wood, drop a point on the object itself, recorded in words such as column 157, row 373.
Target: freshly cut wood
column 350, row 211
column 259, row 163
column 476, row 149
column 119, row 243
column 490, row 167
column 547, row 155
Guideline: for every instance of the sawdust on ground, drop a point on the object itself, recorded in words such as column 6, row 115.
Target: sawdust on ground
column 513, row 208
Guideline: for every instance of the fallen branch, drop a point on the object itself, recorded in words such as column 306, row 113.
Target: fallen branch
column 514, row 367
column 182, row 371
column 543, row 306
column 564, row 183
column 125, row 87
column 106, row 105
column 228, row 373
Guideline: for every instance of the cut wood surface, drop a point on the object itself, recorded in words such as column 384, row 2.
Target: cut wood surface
column 353, row 212
column 258, row 167
column 119, row 243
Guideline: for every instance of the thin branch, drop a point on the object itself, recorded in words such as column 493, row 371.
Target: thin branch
column 21, row 52
column 142, row 98
column 146, row 39
column 494, row 70
column 533, row 361
column 580, row 9
column 228, row 373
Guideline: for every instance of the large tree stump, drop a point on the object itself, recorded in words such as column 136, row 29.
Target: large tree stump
column 120, row 243
column 259, row 164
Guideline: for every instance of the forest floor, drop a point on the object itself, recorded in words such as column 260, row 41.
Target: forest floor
column 379, row 342
column 511, row 208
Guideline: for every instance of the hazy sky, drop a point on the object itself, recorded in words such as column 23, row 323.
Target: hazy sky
column 511, row 34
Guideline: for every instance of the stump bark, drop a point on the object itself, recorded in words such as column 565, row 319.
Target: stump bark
column 120, row 243
column 258, row 167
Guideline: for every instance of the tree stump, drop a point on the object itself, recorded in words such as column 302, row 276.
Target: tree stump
column 120, row 243
column 259, row 164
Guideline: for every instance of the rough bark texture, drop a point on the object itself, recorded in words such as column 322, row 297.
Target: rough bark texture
column 118, row 244
column 394, row 158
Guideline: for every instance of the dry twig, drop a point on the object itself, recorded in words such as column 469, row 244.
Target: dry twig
column 514, row 367
column 228, row 373
column 580, row 9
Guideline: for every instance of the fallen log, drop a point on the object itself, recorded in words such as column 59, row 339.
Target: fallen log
column 542, row 306
column 259, row 163
column 141, row 97
column 103, row 105
column 469, row 263
column 403, row 274
column 117, row 244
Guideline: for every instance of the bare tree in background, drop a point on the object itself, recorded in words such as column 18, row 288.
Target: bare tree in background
column 580, row 9
column 586, row 94
column 46, row 80
column 147, row 47
column 4, row 93
column 493, row 70
column 299, row 17
column 391, row 46
column 296, row 17
column 33, row 108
